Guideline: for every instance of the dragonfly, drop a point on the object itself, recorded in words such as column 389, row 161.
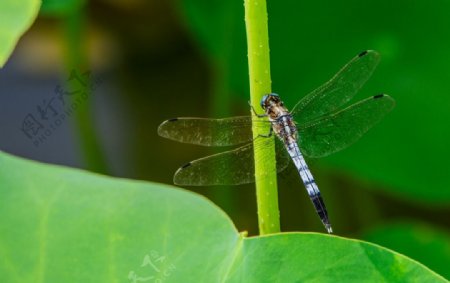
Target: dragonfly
column 318, row 125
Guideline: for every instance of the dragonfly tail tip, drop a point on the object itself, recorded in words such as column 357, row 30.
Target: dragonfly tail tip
column 329, row 229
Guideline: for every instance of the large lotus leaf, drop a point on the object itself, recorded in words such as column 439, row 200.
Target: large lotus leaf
column 66, row 225
column 408, row 152
column 422, row 242
column 16, row 16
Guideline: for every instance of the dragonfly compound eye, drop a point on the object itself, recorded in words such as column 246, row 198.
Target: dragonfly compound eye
column 263, row 101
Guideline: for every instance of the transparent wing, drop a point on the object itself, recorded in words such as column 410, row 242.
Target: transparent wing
column 234, row 167
column 211, row 132
column 337, row 131
column 337, row 91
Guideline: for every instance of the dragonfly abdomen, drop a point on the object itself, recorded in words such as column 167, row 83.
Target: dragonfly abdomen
column 285, row 128
column 310, row 183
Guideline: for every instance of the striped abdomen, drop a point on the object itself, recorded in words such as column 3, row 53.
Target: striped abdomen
column 310, row 183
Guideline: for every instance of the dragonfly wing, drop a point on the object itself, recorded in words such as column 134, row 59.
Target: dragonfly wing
column 337, row 91
column 234, row 167
column 208, row 132
column 337, row 131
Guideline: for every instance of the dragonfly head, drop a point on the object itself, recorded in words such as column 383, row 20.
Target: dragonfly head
column 269, row 99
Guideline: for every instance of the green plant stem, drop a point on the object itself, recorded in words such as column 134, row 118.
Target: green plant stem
column 221, row 98
column 76, row 59
column 220, row 107
column 260, row 84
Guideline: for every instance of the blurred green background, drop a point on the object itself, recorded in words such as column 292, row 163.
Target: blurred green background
column 163, row 59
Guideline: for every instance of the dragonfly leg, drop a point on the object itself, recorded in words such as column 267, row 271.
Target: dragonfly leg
column 254, row 112
column 267, row 135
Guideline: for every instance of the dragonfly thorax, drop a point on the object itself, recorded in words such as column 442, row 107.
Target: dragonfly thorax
column 282, row 123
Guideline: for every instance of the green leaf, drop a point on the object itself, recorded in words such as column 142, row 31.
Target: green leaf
column 66, row 225
column 16, row 17
column 418, row 241
column 408, row 152
column 61, row 7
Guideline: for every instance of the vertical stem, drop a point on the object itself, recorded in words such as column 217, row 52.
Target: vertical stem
column 221, row 99
column 74, row 30
column 220, row 107
column 260, row 84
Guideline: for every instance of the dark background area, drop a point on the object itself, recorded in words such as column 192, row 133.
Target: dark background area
column 163, row 59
